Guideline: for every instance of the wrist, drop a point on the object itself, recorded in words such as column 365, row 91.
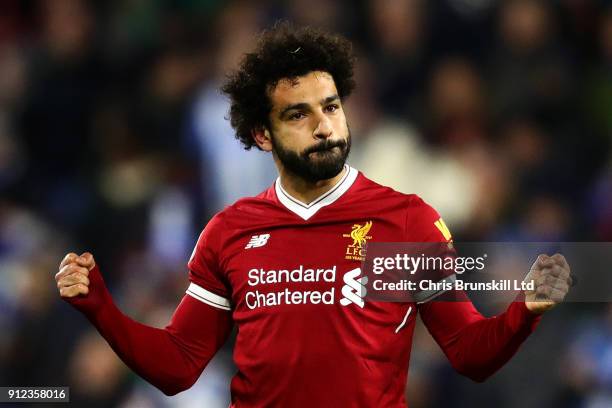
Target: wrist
column 97, row 301
column 524, row 316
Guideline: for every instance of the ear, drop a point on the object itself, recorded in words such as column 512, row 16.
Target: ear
column 263, row 138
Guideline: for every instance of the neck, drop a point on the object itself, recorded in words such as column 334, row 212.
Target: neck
column 306, row 191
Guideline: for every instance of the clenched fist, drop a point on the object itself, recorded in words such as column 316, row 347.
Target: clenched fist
column 73, row 276
column 552, row 280
column 80, row 283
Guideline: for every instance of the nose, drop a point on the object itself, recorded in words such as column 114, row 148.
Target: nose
column 324, row 128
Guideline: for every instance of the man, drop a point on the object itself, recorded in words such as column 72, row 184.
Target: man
column 276, row 265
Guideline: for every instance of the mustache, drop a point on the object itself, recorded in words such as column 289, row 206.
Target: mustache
column 325, row 145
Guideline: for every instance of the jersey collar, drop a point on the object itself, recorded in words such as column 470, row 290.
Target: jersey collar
column 306, row 211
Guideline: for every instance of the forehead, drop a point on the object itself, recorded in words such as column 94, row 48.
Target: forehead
column 309, row 88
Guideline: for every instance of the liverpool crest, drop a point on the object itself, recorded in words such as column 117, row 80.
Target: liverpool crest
column 359, row 234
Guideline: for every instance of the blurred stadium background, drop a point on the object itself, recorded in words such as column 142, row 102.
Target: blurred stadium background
column 113, row 139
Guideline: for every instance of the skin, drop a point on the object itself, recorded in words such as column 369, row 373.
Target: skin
column 552, row 278
column 306, row 111
column 73, row 276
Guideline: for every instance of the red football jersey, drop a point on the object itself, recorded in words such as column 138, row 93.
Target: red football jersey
column 278, row 266
column 287, row 273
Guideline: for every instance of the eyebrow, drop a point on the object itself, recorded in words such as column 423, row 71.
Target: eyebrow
column 304, row 105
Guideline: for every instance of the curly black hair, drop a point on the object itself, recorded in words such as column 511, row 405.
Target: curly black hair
column 283, row 52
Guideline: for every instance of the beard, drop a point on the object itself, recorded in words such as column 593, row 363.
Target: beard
column 321, row 161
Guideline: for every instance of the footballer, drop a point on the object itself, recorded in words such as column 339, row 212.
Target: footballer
column 279, row 266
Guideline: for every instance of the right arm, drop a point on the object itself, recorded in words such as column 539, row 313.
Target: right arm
column 172, row 358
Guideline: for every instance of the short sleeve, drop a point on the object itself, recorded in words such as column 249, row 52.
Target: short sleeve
column 425, row 226
column 208, row 284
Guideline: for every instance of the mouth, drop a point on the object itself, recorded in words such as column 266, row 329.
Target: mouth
column 326, row 152
column 328, row 149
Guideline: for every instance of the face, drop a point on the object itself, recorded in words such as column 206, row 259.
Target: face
column 308, row 133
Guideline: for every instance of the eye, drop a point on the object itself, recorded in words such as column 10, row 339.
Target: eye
column 332, row 108
column 297, row 116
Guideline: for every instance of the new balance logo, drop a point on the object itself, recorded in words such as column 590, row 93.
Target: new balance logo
column 354, row 289
column 257, row 241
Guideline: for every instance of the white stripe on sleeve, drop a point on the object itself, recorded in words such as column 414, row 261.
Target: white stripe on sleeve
column 208, row 297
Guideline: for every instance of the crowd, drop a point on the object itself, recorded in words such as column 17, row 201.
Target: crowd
column 114, row 139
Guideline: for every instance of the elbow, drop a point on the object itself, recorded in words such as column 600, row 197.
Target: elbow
column 479, row 378
column 177, row 384
column 173, row 389
column 476, row 373
column 170, row 391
